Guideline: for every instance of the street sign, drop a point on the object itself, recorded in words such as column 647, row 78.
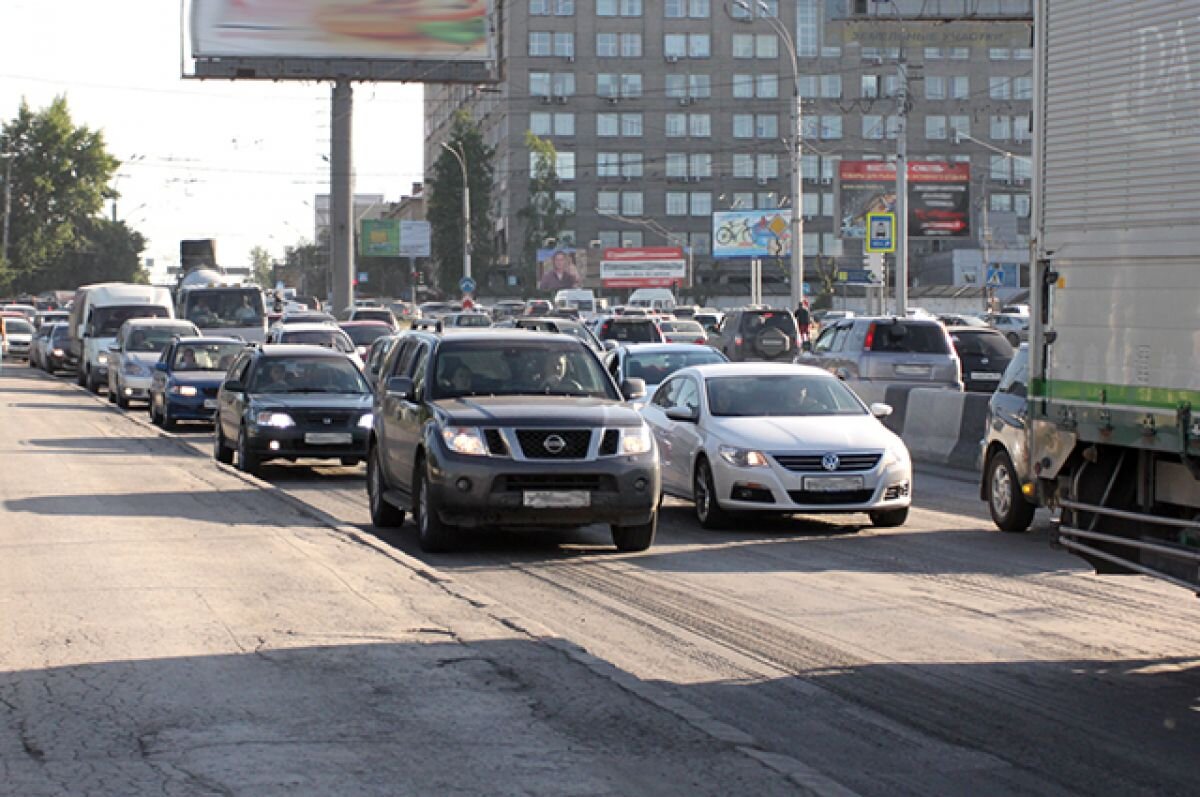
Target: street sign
column 881, row 233
column 995, row 276
column 467, row 285
column 363, row 276
column 857, row 275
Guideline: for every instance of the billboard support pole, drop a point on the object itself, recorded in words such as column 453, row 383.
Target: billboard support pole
column 341, row 185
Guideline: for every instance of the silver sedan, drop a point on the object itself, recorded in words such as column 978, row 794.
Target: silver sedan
column 776, row 438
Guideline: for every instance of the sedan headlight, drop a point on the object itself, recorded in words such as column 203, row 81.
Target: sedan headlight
column 278, row 420
column 187, row 391
column 637, row 441
column 102, row 358
column 366, row 421
column 743, row 457
column 464, row 440
column 58, row 352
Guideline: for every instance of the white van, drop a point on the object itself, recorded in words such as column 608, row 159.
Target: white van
column 581, row 300
column 659, row 299
column 96, row 317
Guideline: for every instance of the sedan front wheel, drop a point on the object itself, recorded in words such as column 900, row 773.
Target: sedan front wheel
column 704, row 497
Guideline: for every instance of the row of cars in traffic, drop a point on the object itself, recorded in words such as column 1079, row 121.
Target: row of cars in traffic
column 533, row 424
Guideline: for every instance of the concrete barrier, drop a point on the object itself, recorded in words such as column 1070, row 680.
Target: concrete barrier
column 894, row 395
column 944, row 428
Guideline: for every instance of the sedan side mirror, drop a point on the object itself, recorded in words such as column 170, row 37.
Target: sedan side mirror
column 400, row 387
column 233, row 386
column 160, row 366
column 633, row 389
column 685, row 414
column 881, row 410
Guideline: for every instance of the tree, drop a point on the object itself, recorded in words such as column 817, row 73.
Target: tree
column 60, row 177
column 306, row 268
column 544, row 217
column 262, row 267
column 445, row 211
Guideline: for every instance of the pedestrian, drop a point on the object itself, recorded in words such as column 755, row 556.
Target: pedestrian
column 803, row 321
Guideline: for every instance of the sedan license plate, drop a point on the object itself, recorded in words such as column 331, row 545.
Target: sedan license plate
column 557, row 499
column 913, row 370
column 984, row 376
column 832, row 484
column 210, row 404
column 327, row 438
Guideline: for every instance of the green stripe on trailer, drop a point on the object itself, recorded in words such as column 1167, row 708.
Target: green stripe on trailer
column 1151, row 398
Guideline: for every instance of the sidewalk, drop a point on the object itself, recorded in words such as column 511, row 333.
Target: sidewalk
column 172, row 627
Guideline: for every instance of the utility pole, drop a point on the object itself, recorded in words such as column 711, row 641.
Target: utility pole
column 902, row 186
column 461, row 156
column 341, row 200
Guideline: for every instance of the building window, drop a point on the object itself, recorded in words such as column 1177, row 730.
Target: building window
column 960, row 87
column 743, row 86
column 1000, row 203
column 743, row 45
column 539, row 84
column 564, row 84
column 831, row 87
column 631, row 125
column 960, row 53
column 631, row 238
column 701, row 242
column 607, row 85
column 675, row 45
column 607, row 45
column 701, row 165
column 565, row 200
column 827, row 204
column 608, row 201
column 935, row 128
column 869, row 87
column 743, row 125
column 960, row 124
column 935, row 88
column 608, row 164
column 701, row 203
column 893, row 127
column 767, row 87
column 677, row 203
column 607, row 8
column 743, row 165
column 1022, row 170
column 699, row 45
column 999, row 88
column 609, row 239
column 808, row 28
column 999, row 53
column 631, row 45
column 676, row 164
column 1001, row 128
column 808, row 85
column 608, row 125
column 810, row 205
column 631, row 86
column 564, row 45
column 831, row 126
column 1020, row 127
column 1023, row 88
column 766, row 45
column 700, row 86
column 539, row 8
column 564, row 8
column 1021, row 205
column 631, row 164
column 933, row 53
column 631, row 203
column 768, row 167
column 539, row 43
column 699, row 125
column 631, row 8
column 766, row 125
column 1022, row 53
column 1001, row 170
column 676, row 125
column 676, row 86
column 540, row 124
column 564, row 124
column 872, row 126
column 831, row 244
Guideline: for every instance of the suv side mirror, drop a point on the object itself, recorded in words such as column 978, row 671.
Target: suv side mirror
column 881, row 410
column 633, row 389
column 401, row 387
column 232, row 386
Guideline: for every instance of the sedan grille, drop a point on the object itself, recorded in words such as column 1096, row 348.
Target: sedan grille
column 812, row 463
column 554, row 443
column 316, row 420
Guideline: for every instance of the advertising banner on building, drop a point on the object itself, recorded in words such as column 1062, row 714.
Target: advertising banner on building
column 558, row 269
column 939, row 197
column 644, row 267
column 379, row 238
column 415, row 238
column 752, row 233
column 439, row 30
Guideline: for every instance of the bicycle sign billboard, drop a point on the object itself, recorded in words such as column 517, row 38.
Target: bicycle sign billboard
column 752, row 233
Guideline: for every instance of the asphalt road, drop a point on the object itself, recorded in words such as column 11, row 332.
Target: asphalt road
column 938, row 658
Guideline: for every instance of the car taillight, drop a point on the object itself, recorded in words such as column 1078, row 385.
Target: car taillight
column 870, row 341
column 701, row 341
column 737, row 341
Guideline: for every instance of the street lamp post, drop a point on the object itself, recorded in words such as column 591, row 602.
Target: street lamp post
column 461, row 157
column 901, row 168
column 794, row 151
column 8, row 159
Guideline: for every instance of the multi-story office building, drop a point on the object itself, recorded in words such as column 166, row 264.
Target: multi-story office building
column 664, row 112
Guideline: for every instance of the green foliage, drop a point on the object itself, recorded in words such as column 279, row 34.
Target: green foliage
column 261, row 267
column 544, row 217
column 306, row 268
column 445, row 211
column 60, row 175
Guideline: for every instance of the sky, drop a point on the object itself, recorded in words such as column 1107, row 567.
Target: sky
column 240, row 162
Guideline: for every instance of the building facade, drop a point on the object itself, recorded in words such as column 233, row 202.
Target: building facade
column 664, row 112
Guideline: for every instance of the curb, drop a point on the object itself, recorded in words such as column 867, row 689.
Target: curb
column 808, row 780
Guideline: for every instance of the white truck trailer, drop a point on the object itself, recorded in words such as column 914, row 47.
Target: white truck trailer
column 1114, row 395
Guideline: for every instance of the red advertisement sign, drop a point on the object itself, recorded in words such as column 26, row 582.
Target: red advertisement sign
column 643, row 267
column 939, row 197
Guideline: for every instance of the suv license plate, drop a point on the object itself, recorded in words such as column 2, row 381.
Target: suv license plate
column 557, row 499
column 984, row 376
column 327, row 438
column 913, row 370
column 210, row 404
column 832, row 484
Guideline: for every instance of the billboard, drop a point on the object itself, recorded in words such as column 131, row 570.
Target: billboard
column 379, row 238
column 939, row 197
column 643, row 267
column 428, row 30
column 415, row 238
column 558, row 270
column 752, row 233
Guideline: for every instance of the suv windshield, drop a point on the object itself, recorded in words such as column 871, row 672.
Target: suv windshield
column 630, row 330
column 912, row 337
column 512, row 368
column 307, row 375
column 757, row 396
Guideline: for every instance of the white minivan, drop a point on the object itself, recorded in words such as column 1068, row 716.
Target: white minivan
column 96, row 317
column 656, row 299
column 582, row 301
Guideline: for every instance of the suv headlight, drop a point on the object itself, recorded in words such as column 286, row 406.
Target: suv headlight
column 366, row 421
column 278, row 420
column 637, row 441
column 743, row 457
column 102, row 358
column 464, row 440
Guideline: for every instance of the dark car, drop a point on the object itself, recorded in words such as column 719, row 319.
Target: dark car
column 748, row 334
column 187, row 377
column 503, row 428
column 375, row 357
column 364, row 333
column 564, row 326
column 985, row 353
column 283, row 401
column 50, row 347
column 630, row 329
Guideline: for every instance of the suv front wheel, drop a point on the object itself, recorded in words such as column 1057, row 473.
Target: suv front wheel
column 630, row 539
column 433, row 535
column 383, row 514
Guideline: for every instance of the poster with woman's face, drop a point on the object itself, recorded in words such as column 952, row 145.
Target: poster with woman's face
column 557, row 270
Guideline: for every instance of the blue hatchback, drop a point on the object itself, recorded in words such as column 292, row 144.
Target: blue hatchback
column 187, row 377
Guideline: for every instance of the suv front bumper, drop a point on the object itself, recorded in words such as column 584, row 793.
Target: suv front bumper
column 474, row 492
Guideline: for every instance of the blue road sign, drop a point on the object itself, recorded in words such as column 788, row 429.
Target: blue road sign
column 995, row 276
column 467, row 285
column 881, row 232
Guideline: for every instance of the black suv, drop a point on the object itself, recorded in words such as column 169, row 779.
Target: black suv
column 283, row 401
column 757, row 334
column 504, row 428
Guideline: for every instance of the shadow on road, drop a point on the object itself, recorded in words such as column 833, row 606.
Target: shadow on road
column 242, row 506
column 109, row 446
column 67, row 407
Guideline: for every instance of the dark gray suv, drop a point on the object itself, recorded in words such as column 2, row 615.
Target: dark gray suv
column 748, row 334
column 508, row 429
column 908, row 351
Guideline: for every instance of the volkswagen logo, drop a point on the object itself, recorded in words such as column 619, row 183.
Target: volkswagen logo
column 554, row 444
column 830, row 462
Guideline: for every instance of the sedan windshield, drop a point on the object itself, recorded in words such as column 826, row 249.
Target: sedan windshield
column 206, row 356
column 790, row 395
column 155, row 339
column 508, row 368
column 307, row 375
column 366, row 335
column 331, row 338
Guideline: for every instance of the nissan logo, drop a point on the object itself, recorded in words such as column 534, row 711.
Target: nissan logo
column 554, row 444
column 328, row 421
column 830, row 462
